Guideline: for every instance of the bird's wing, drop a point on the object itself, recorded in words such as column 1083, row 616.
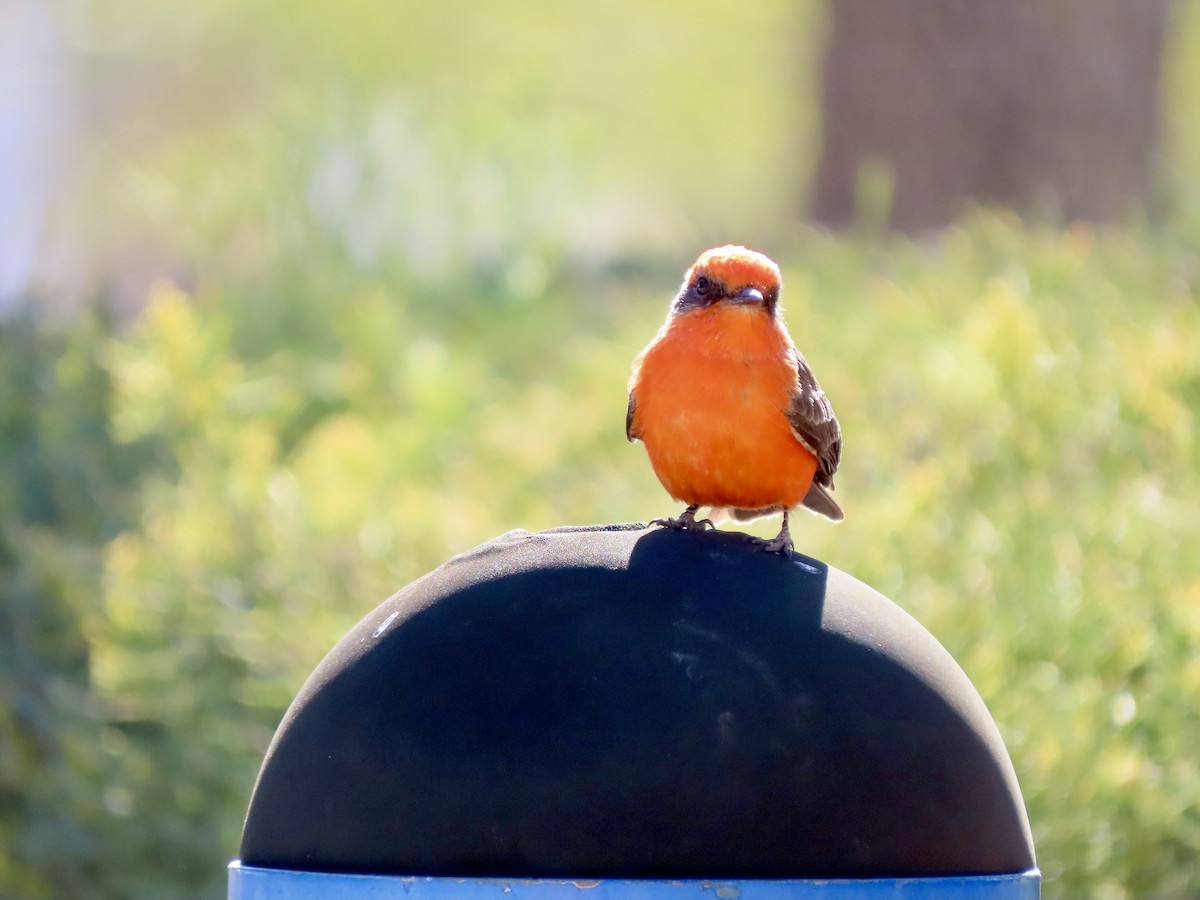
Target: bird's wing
column 630, row 432
column 814, row 423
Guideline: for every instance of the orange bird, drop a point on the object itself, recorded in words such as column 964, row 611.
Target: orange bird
column 730, row 412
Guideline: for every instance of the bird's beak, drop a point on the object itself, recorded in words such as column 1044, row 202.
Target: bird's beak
column 749, row 296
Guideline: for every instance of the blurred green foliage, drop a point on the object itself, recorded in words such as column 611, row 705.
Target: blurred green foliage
column 405, row 326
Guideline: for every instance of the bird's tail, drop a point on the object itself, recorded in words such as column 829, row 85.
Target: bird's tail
column 721, row 514
column 819, row 500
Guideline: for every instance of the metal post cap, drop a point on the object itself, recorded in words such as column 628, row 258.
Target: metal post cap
column 635, row 703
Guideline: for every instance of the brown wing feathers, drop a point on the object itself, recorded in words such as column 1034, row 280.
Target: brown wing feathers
column 816, row 427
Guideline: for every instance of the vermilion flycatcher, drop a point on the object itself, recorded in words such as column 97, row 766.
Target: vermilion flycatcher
column 730, row 412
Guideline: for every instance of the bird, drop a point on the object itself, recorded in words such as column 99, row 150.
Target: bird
column 728, row 409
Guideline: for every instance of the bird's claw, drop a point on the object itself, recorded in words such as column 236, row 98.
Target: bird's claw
column 782, row 545
column 686, row 522
column 682, row 524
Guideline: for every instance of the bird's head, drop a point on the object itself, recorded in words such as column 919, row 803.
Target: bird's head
column 730, row 275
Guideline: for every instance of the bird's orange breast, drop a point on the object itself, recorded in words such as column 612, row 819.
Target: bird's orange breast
column 711, row 395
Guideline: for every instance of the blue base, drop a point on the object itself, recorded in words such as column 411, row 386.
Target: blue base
column 252, row 883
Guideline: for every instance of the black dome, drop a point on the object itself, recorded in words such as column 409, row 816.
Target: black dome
column 623, row 702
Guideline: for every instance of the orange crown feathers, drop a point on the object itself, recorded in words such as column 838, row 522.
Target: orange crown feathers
column 737, row 268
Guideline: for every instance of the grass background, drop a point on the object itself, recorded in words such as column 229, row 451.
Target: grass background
column 379, row 273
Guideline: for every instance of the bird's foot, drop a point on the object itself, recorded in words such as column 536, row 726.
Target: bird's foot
column 781, row 544
column 686, row 522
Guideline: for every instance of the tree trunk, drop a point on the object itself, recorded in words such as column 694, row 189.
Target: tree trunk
column 1043, row 105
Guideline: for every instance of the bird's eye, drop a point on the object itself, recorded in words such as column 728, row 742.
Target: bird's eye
column 702, row 285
